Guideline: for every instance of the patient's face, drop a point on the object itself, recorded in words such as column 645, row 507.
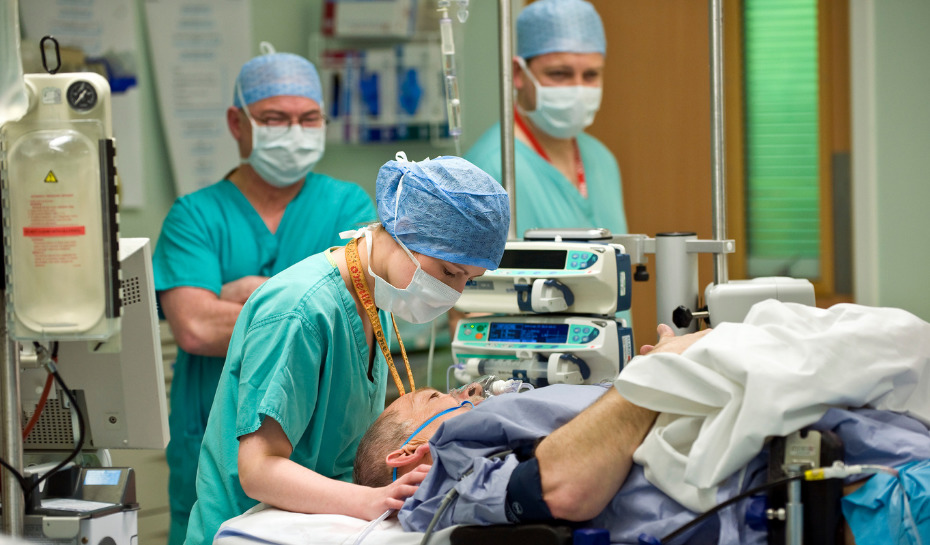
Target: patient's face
column 421, row 405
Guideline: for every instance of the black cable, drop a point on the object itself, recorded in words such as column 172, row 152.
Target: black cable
column 26, row 487
column 80, row 440
column 751, row 492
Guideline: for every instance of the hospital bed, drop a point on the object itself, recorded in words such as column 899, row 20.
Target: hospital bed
column 264, row 525
column 887, row 368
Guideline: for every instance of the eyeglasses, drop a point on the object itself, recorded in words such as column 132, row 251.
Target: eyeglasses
column 280, row 122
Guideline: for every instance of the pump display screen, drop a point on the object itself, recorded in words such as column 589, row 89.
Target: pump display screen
column 516, row 332
column 102, row 477
column 534, row 259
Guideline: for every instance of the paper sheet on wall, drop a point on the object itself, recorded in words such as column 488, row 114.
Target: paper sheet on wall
column 197, row 49
column 104, row 31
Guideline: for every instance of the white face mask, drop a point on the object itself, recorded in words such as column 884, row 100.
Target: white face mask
column 422, row 301
column 562, row 111
column 283, row 156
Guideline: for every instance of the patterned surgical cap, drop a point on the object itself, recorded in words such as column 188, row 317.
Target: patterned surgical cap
column 275, row 74
column 559, row 26
column 445, row 208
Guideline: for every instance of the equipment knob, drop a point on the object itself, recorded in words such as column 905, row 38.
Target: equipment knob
column 641, row 274
column 682, row 317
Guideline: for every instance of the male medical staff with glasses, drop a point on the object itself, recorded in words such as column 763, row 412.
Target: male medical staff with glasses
column 218, row 244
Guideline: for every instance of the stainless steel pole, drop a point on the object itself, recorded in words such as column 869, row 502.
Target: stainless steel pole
column 718, row 148
column 12, row 429
column 676, row 274
column 508, row 178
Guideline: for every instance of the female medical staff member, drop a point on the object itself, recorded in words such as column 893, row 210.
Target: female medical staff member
column 307, row 366
column 564, row 177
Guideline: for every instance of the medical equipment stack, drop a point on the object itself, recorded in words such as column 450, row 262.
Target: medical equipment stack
column 555, row 303
column 80, row 303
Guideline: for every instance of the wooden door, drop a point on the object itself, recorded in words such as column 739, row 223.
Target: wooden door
column 655, row 118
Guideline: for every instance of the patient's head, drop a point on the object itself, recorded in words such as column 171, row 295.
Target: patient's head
column 382, row 447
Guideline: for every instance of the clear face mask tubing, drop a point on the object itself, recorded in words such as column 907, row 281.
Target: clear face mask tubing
column 489, row 386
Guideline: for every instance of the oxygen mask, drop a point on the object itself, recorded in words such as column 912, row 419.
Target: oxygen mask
column 487, row 386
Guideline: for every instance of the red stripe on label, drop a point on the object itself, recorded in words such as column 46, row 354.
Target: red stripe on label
column 62, row 231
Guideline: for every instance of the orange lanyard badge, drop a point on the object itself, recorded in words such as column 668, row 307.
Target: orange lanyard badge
column 361, row 288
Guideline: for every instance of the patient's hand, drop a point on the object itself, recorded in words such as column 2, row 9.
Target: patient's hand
column 668, row 342
column 393, row 495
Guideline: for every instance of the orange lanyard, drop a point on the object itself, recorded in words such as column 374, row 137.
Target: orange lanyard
column 361, row 288
column 579, row 165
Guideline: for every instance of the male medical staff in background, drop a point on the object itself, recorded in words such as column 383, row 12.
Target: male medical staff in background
column 306, row 372
column 218, row 244
column 564, row 177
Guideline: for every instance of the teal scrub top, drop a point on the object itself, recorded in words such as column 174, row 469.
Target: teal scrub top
column 545, row 197
column 298, row 354
column 213, row 236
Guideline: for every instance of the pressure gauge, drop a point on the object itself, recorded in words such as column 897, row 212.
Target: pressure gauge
column 82, row 96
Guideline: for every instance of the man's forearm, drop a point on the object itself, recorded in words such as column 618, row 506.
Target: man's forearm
column 201, row 323
column 584, row 463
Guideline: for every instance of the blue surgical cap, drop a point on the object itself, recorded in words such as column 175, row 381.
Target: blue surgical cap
column 559, row 26
column 275, row 74
column 445, row 208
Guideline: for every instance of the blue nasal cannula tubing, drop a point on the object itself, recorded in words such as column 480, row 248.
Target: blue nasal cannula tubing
column 367, row 530
column 423, row 425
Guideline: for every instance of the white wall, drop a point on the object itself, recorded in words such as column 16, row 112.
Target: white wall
column 891, row 153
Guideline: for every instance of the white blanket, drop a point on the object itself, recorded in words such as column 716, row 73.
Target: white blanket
column 770, row 376
column 270, row 526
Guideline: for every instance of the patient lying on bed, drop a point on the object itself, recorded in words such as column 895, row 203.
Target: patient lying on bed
column 810, row 379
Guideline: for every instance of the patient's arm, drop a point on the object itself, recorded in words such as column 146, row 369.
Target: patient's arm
column 268, row 475
column 584, row 463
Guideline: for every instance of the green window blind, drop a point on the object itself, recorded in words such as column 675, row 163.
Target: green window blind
column 782, row 155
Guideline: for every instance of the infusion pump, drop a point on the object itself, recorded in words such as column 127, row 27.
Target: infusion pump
column 549, row 277
column 542, row 350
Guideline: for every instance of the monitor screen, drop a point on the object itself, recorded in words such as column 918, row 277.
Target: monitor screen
column 119, row 382
column 519, row 332
column 534, row 259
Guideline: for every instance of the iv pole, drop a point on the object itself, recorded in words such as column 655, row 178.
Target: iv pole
column 507, row 132
column 14, row 506
column 718, row 147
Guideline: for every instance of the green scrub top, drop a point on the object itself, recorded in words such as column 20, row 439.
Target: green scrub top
column 298, row 354
column 213, row 236
column 545, row 197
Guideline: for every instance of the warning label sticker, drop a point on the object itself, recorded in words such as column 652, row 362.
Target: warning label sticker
column 55, row 228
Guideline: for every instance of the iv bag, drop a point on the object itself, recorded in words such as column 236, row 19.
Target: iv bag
column 60, row 221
